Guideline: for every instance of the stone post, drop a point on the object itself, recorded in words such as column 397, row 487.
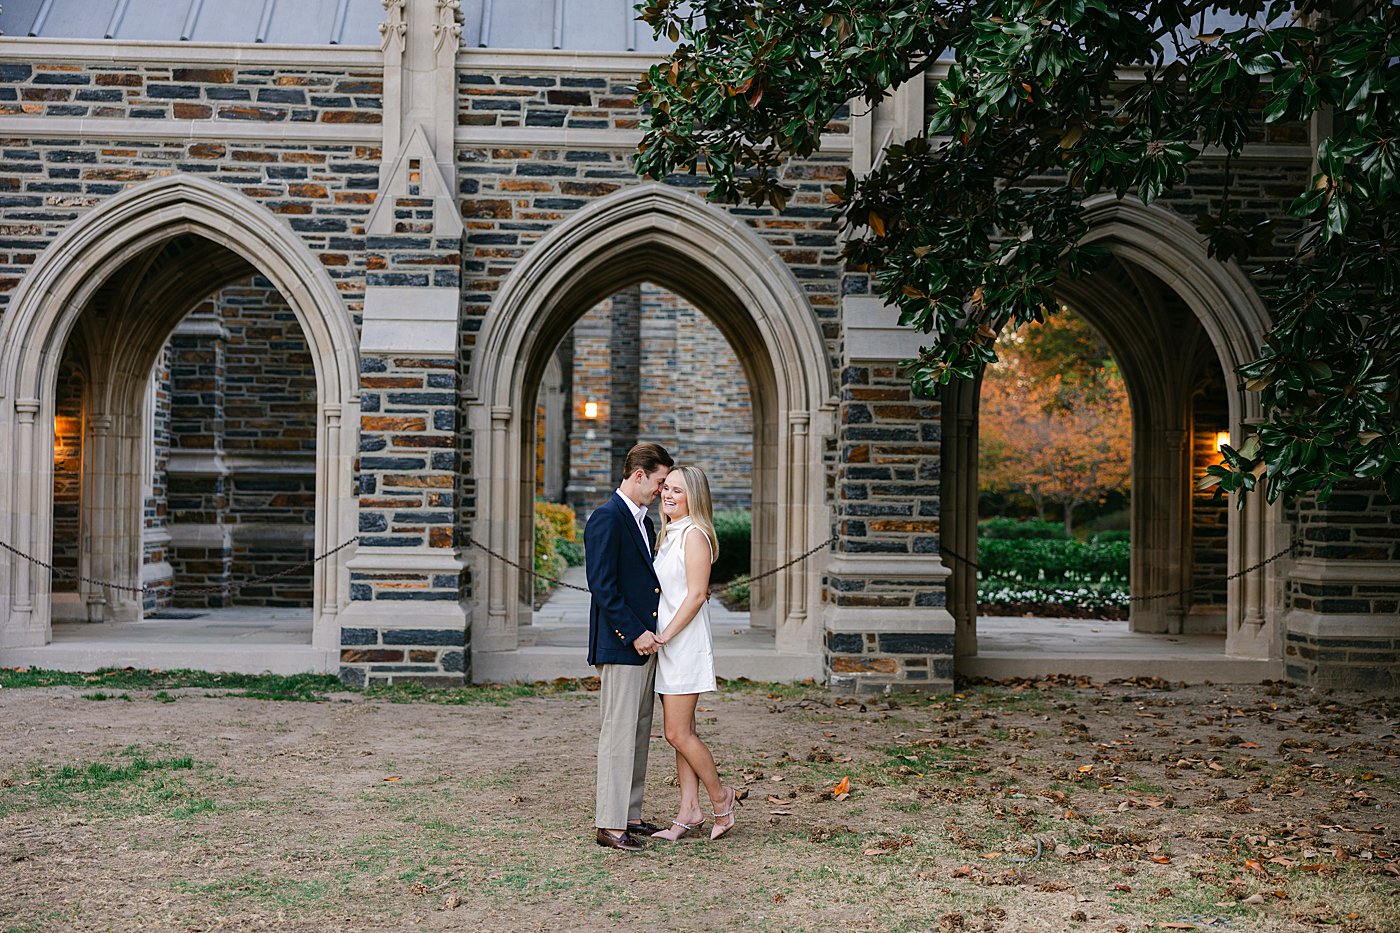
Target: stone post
column 887, row 626
column 408, row 553
column 1342, row 628
column 201, row 541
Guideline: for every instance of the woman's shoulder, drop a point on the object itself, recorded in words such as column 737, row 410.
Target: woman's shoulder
column 692, row 527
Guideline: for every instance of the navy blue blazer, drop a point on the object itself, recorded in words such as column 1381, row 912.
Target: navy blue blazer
column 625, row 591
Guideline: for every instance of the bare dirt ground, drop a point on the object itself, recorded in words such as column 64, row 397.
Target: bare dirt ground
column 1053, row 806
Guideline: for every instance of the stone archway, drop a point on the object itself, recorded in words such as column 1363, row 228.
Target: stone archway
column 1155, row 249
column 655, row 233
column 222, row 234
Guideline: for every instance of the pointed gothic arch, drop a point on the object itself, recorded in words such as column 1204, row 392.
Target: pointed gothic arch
column 717, row 262
column 1153, row 241
column 46, row 311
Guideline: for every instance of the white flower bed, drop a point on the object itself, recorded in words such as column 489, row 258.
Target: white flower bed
column 1082, row 593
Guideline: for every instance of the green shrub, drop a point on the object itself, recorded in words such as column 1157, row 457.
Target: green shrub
column 1053, row 561
column 737, row 596
column 571, row 551
column 1104, row 537
column 563, row 522
column 547, row 560
column 734, row 530
column 1019, row 529
column 557, row 542
column 1120, row 519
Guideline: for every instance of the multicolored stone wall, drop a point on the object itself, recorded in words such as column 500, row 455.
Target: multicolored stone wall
column 1210, row 550
column 322, row 191
column 67, row 474
column 695, row 396
column 887, row 504
column 591, row 441
column 196, row 481
column 1343, row 627
column 243, row 390
column 576, row 102
column 104, row 90
column 692, row 397
column 888, row 499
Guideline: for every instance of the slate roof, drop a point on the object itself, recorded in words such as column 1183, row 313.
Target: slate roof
column 576, row 25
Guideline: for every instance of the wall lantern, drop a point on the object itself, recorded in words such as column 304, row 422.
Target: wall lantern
column 590, row 409
column 1221, row 439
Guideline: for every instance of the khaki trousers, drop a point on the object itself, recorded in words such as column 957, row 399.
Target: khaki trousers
column 627, row 700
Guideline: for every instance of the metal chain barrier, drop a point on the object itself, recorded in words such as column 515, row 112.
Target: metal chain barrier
column 779, row 569
column 255, row 581
column 230, row 587
column 523, row 569
column 1184, row 591
column 70, row 575
column 183, row 591
column 713, row 587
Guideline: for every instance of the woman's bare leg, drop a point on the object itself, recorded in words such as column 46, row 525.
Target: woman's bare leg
column 689, row 811
column 680, row 732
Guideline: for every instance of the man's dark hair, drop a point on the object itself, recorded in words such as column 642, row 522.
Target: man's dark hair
column 646, row 457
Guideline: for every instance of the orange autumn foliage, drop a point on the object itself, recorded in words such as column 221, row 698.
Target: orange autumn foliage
column 1055, row 421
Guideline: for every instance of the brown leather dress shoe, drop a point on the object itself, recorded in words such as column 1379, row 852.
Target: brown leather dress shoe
column 644, row 826
column 622, row 840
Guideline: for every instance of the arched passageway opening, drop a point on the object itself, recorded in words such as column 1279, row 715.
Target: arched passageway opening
column 1179, row 324
column 717, row 264
column 644, row 364
column 1054, row 471
column 227, row 450
column 81, row 339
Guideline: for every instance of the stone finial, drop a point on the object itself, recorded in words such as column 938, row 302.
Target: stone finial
column 394, row 31
column 449, row 24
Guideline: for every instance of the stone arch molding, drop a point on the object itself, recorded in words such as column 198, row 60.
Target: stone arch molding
column 656, row 233
column 1235, row 319
column 44, row 313
column 1164, row 244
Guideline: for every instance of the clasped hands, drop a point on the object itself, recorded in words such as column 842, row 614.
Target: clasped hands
column 648, row 643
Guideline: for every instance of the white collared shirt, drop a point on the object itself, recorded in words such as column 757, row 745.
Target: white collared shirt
column 639, row 512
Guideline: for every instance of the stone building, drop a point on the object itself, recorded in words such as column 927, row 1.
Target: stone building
column 645, row 363
column 275, row 276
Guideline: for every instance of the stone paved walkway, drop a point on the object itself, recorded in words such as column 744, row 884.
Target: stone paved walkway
column 278, row 640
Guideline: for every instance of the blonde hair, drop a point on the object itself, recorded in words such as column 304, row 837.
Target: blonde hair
column 697, row 497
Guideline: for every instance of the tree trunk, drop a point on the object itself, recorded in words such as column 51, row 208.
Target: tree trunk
column 1069, row 519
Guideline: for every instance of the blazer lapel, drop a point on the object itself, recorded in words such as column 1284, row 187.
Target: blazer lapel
column 632, row 528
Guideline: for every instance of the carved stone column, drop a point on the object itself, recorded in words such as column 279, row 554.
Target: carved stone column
column 887, row 625
column 406, row 618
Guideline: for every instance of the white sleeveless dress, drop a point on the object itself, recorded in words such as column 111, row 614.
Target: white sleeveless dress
column 686, row 664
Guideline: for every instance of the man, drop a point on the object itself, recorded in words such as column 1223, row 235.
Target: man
column 622, row 641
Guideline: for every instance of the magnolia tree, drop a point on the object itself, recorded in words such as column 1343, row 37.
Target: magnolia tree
column 963, row 233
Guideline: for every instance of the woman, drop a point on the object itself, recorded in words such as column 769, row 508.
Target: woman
column 685, row 667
